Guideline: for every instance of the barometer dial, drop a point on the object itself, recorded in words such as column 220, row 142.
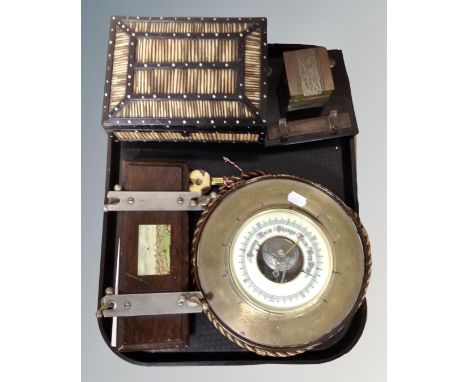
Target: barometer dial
column 280, row 259
column 282, row 262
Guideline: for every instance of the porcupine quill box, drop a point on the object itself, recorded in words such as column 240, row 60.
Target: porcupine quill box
column 170, row 85
column 186, row 79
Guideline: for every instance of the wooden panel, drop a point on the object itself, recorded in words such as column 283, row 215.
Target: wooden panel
column 325, row 70
column 153, row 332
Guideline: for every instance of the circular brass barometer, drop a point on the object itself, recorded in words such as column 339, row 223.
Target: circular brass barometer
column 282, row 262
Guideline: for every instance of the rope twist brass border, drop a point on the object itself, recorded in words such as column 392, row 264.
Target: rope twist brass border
column 257, row 349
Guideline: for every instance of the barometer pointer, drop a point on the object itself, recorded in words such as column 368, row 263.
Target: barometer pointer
column 289, row 250
column 282, row 277
column 276, row 256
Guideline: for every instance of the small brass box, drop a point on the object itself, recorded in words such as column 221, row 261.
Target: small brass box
column 309, row 76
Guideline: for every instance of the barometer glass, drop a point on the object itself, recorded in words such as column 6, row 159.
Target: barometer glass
column 280, row 259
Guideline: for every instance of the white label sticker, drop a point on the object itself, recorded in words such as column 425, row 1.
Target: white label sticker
column 297, row 199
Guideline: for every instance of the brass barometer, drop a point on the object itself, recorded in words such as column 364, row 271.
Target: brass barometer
column 282, row 263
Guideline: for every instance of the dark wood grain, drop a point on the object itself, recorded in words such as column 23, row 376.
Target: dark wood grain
column 153, row 332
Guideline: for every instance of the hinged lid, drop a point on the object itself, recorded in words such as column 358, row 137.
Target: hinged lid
column 185, row 72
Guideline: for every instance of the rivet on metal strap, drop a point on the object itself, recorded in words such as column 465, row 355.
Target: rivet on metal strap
column 332, row 117
column 283, row 129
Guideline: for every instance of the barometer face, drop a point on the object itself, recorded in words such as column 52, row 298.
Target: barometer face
column 282, row 262
column 280, row 259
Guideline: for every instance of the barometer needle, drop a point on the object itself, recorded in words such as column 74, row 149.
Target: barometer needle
column 275, row 255
column 289, row 250
column 282, row 277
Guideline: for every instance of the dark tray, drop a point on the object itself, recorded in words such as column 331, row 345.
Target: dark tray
column 330, row 162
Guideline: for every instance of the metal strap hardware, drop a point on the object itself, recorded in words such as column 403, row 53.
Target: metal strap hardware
column 156, row 201
column 283, row 129
column 332, row 121
column 308, row 129
column 150, row 304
